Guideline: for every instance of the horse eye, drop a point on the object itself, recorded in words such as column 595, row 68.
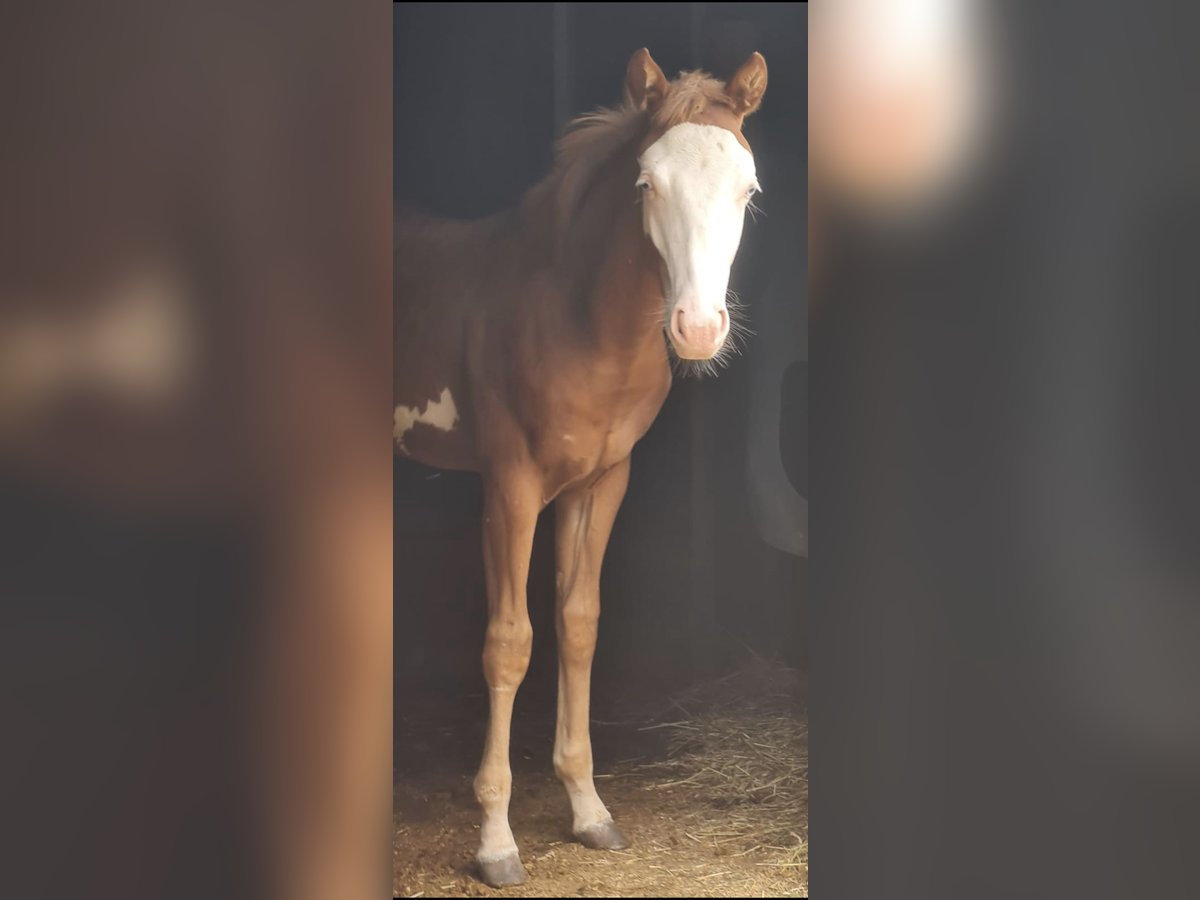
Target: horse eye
column 752, row 190
column 643, row 185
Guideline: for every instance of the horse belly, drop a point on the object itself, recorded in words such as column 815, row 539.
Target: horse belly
column 439, row 451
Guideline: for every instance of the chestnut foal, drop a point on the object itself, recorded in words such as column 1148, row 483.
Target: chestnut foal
column 529, row 347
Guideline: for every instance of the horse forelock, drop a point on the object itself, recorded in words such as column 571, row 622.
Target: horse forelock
column 689, row 98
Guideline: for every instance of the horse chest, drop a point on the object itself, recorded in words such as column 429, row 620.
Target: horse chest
column 585, row 439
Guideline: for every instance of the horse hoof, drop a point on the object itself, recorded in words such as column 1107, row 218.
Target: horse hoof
column 605, row 836
column 503, row 872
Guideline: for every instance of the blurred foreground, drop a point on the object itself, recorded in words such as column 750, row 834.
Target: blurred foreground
column 194, row 452
column 1005, row 575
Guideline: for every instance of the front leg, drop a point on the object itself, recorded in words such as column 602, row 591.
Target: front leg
column 512, row 501
column 584, row 522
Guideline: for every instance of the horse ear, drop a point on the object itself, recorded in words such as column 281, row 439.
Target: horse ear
column 746, row 88
column 645, row 84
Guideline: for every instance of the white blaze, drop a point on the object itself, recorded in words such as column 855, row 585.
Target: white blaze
column 700, row 179
column 440, row 413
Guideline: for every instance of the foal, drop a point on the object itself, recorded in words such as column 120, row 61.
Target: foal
column 529, row 347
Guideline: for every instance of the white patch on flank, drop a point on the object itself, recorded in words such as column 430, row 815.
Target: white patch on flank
column 440, row 413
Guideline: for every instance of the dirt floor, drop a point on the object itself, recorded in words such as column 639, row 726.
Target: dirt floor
column 712, row 793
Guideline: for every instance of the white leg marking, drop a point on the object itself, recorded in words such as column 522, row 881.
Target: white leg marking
column 587, row 808
column 440, row 413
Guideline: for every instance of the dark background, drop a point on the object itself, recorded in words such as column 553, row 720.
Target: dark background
column 481, row 91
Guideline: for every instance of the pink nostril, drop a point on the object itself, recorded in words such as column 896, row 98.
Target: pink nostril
column 703, row 329
column 677, row 325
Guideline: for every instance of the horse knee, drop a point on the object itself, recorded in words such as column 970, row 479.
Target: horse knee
column 578, row 624
column 506, row 651
column 492, row 786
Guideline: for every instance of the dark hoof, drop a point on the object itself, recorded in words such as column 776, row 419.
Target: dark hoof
column 503, row 872
column 605, row 836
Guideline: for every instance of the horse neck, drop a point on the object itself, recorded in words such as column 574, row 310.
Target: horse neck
column 609, row 270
